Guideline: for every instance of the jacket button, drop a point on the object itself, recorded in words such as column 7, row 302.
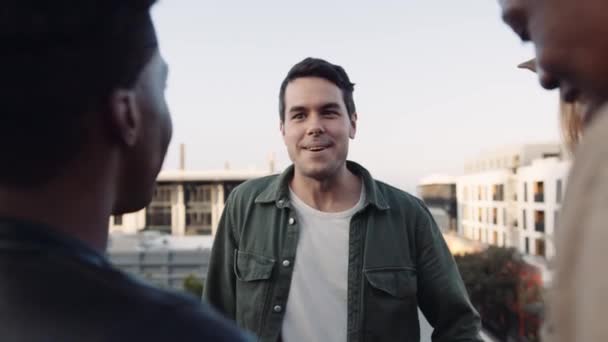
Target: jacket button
column 286, row 263
column 292, row 220
column 277, row 308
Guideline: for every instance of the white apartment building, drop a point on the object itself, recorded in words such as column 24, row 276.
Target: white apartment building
column 540, row 191
column 184, row 203
column 511, row 197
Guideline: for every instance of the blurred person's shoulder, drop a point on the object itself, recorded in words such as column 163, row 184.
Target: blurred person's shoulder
column 71, row 297
column 161, row 315
column 590, row 158
column 593, row 144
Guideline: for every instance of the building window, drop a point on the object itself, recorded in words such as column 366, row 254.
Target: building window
column 158, row 217
column 479, row 234
column 540, row 247
column 465, row 193
column 504, row 217
column 479, row 193
column 228, row 187
column 558, row 191
column 197, row 193
column 158, row 212
column 498, row 192
column 198, row 223
column 539, row 192
column 524, row 221
column 495, row 216
column 527, row 247
column 525, row 192
column 539, row 221
column 479, row 215
column 199, row 201
column 555, row 221
column 495, row 238
column 117, row 220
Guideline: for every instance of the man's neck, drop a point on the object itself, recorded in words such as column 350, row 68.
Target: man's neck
column 68, row 208
column 340, row 192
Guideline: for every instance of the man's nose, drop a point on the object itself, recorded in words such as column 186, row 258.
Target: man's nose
column 315, row 125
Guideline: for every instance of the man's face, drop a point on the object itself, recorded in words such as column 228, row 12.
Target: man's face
column 571, row 41
column 143, row 161
column 317, row 127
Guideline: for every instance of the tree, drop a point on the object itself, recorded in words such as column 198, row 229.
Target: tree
column 501, row 285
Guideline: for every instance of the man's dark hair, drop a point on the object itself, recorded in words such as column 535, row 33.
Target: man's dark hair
column 60, row 60
column 315, row 67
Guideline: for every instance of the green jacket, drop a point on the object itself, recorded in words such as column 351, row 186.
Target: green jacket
column 398, row 261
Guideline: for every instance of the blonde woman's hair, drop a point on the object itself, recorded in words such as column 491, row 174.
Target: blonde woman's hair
column 571, row 123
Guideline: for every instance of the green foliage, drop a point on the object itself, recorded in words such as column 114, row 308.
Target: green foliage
column 194, row 285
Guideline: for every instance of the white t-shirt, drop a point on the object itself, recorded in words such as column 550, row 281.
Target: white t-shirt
column 317, row 305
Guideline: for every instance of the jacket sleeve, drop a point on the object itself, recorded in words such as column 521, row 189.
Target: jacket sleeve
column 442, row 296
column 219, row 290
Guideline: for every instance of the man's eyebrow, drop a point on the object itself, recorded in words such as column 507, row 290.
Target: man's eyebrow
column 297, row 109
column 332, row 105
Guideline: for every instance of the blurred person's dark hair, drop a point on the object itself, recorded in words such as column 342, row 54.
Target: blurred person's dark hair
column 60, row 62
column 570, row 115
column 315, row 67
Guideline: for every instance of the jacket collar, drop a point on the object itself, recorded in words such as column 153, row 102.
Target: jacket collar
column 278, row 190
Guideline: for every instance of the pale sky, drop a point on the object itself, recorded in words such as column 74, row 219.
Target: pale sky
column 436, row 80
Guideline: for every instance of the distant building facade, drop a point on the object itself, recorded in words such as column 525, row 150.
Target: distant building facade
column 511, row 197
column 184, row 203
column 439, row 194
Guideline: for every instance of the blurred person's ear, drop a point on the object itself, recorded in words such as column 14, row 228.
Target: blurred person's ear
column 125, row 117
column 353, row 125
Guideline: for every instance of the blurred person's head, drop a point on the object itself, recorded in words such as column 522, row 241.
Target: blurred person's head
column 318, row 117
column 83, row 98
column 571, row 41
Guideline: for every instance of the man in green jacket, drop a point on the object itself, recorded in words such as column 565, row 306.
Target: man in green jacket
column 323, row 252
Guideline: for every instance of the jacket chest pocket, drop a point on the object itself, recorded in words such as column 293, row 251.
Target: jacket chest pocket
column 253, row 273
column 390, row 304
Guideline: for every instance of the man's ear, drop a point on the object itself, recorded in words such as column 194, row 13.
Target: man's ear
column 353, row 125
column 125, row 115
